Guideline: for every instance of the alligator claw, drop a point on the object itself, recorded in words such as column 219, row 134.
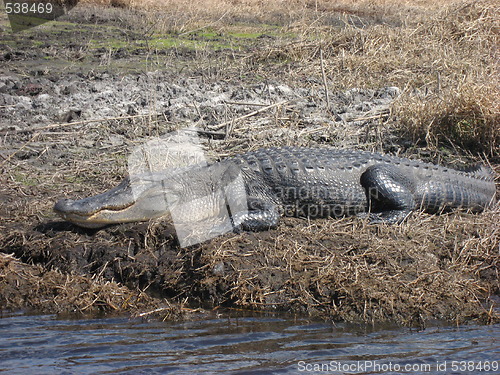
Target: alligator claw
column 386, row 217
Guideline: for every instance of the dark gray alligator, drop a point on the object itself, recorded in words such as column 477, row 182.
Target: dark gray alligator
column 301, row 182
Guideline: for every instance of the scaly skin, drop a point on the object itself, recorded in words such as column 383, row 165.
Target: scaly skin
column 304, row 182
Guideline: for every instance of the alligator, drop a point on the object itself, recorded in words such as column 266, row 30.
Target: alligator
column 290, row 181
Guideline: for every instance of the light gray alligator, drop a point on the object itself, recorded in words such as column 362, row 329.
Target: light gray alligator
column 301, row 182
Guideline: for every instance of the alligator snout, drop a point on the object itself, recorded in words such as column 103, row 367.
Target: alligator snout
column 86, row 207
column 118, row 205
column 78, row 212
column 67, row 206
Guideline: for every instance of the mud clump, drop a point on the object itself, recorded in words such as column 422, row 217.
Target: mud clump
column 49, row 291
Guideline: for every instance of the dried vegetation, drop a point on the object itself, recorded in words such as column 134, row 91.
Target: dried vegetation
column 428, row 268
column 54, row 292
column 443, row 54
column 444, row 57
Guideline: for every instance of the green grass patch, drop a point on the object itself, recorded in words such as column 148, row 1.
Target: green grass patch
column 243, row 35
column 109, row 43
column 25, row 180
column 211, row 41
column 75, row 180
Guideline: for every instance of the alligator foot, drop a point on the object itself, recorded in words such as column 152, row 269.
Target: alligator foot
column 389, row 193
column 262, row 215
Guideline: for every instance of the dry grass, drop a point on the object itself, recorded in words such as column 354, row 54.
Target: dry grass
column 442, row 54
column 461, row 103
column 51, row 291
column 428, row 268
column 445, row 62
column 257, row 6
column 34, row 288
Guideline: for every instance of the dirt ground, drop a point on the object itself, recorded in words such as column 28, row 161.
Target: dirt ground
column 78, row 94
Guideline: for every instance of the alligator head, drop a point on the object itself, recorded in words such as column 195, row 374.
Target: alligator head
column 187, row 195
column 132, row 200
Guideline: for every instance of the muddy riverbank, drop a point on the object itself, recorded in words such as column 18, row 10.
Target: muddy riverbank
column 76, row 96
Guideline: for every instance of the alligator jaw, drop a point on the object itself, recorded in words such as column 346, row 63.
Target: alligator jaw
column 117, row 205
column 74, row 212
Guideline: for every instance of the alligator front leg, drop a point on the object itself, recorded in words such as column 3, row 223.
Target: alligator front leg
column 261, row 215
column 389, row 193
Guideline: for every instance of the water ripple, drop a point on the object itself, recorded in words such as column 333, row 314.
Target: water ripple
column 237, row 345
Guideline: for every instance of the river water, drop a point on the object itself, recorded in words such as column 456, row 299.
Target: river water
column 245, row 344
